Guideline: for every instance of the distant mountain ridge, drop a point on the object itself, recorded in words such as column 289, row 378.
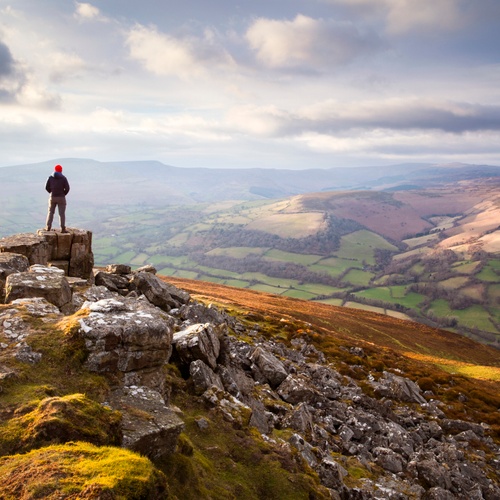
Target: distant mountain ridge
column 154, row 183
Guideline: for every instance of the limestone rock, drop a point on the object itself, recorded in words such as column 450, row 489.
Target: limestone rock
column 157, row 291
column 232, row 409
column 198, row 341
column 148, row 268
column 389, row 460
column 37, row 307
column 309, row 454
column 34, row 247
column 69, row 418
column 40, row 281
column 81, row 260
column 112, row 281
column 332, row 474
column 269, row 366
column 10, row 263
column 149, row 426
column 118, row 269
column 296, row 389
column 126, row 336
column 71, row 251
column 203, row 377
column 400, row 388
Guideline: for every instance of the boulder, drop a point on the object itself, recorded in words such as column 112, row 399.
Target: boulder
column 148, row 268
column 399, row 388
column 157, row 291
column 11, row 263
column 203, row 377
column 149, row 426
column 389, row 460
column 332, row 474
column 37, row 307
column 198, row 342
column 308, row 452
column 127, row 338
column 40, row 281
column 271, row 368
column 112, row 281
column 34, row 247
column 432, row 474
column 118, row 269
column 296, row 389
column 69, row 418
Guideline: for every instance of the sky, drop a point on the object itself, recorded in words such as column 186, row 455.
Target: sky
column 251, row 83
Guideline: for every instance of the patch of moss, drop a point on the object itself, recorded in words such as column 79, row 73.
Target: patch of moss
column 83, row 471
column 59, row 372
column 59, row 420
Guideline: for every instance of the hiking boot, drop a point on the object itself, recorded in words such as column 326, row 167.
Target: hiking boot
column 47, row 228
column 63, row 230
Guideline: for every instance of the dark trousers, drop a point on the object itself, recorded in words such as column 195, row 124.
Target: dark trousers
column 60, row 203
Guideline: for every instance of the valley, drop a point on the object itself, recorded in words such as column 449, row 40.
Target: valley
column 351, row 249
column 425, row 248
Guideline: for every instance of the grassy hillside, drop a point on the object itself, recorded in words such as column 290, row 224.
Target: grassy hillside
column 220, row 460
column 401, row 254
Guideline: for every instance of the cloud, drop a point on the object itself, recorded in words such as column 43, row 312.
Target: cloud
column 6, row 61
column 407, row 114
column 403, row 146
column 185, row 57
column 334, row 118
column 87, row 12
column 64, row 66
column 402, row 16
column 308, row 43
column 10, row 76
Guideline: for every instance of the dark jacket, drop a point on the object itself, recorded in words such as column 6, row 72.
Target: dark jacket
column 57, row 185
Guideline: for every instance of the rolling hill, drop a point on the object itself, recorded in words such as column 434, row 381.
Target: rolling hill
column 421, row 243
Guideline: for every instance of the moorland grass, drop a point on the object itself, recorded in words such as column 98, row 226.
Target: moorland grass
column 83, row 471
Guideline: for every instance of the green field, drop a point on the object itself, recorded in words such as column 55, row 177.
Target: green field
column 297, row 258
column 473, row 317
column 360, row 246
column 358, row 277
column 488, row 273
column 393, row 295
column 191, row 243
column 238, row 252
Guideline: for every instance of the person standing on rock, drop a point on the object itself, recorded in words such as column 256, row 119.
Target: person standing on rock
column 58, row 187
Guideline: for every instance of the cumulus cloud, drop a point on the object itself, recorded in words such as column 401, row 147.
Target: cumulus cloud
column 308, row 43
column 401, row 16
column 186, row 57
column 86, row 12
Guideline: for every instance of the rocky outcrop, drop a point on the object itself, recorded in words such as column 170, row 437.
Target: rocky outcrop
column 132, row 323
column 401, row 438
column 39, row 281
column 71, row 251
column 128, row 339
column 10, row 263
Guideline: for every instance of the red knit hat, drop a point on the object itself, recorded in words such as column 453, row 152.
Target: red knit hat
column 58, row 168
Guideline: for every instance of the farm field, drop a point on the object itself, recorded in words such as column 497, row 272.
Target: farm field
column 269, row 246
